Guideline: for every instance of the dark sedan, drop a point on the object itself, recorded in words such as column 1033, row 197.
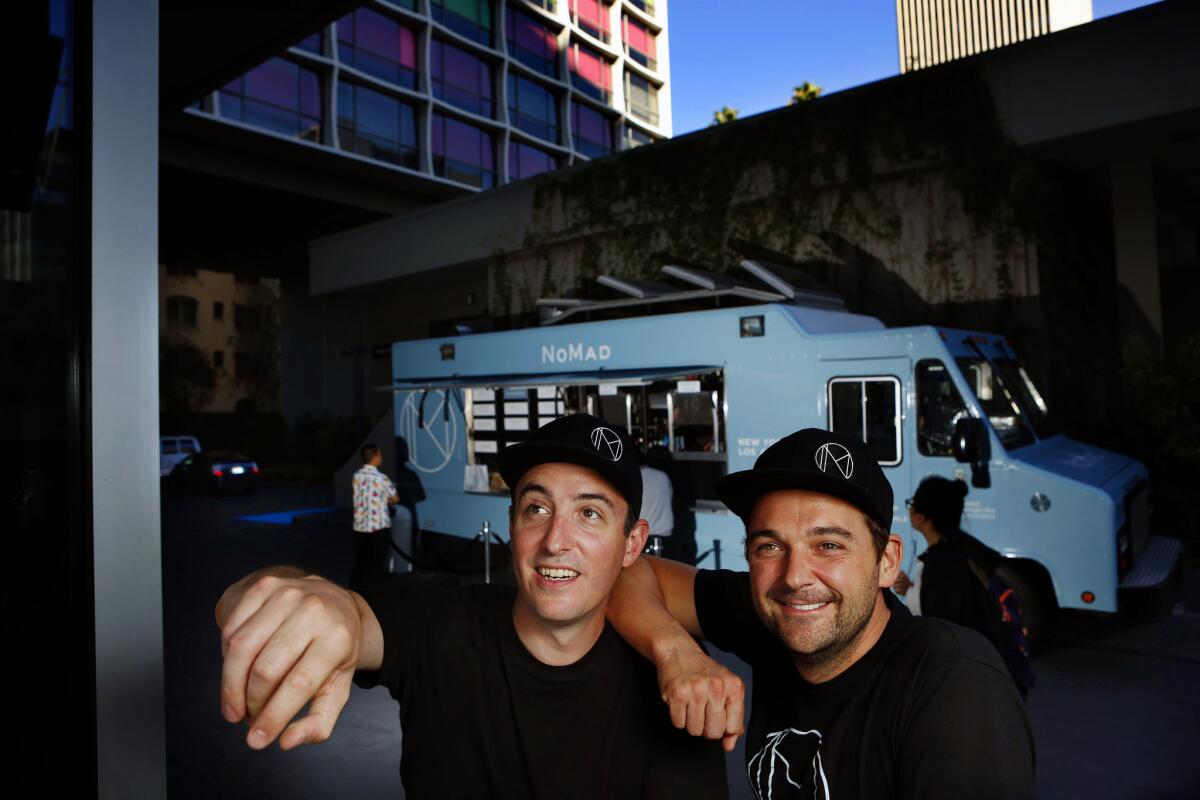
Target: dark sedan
column 218, row 471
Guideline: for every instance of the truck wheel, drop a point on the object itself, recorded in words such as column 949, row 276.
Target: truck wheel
column 1033, row 608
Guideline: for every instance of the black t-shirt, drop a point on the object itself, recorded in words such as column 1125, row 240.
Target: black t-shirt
column 481, row 717
column 928, row 712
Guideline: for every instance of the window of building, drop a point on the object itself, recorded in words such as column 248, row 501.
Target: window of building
column 591, row 16
column 532, row 108
column 469, row 18
column 279, row 96
column 531, row 42
column 639, row 42
column 461, row 79
column 636, row 138
column 377, row 126
column 463, row 153
column 641, row 98
column 246, row 366
column 181, row 312
column 247, row 318
column 525, row 161
column 592, row 131
column 379, row 46
column 181, row 271
column 590, row 72
column 218, row 310
column 311, row 43
column 868, row 408
column 644, row 5
column 218, row 359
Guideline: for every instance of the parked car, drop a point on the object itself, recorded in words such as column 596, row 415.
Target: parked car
column 217, row 471
column 173, row 449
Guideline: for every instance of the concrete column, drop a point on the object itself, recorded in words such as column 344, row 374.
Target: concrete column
column 1136, row 250
column 123, row 425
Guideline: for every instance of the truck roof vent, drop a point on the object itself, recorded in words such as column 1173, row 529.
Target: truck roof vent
column 775, row 276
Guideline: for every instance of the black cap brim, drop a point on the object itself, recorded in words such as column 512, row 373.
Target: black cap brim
column 518, row 459
column 740, row 490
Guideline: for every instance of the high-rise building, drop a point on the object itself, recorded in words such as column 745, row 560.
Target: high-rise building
column 473, row 92
column 936, row 31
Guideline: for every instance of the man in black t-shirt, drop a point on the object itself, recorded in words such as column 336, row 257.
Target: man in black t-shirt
column 504, row 692
column 853, row 696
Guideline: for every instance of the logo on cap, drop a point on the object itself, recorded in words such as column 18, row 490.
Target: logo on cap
column 605, row 440
column 836, row 455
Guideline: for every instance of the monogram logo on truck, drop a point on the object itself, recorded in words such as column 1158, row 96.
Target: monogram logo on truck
column 836, row 455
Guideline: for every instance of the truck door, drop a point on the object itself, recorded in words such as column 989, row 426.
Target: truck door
column 866, row 399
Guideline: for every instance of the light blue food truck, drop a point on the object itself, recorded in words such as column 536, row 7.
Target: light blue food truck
column 718, row 370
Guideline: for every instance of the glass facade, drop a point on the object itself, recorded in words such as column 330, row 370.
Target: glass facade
column 592, row 131
column 469, row 18
column 533, row 108
column 461, row 79
column 279, row 96
column 641, row 98
column 525, row 161
column 531, row 42
column 639, row 42
column 377, row 126
column 590, row 73
column 388, row 67
column 591, row 17
column 379, row 46
column 463, row 153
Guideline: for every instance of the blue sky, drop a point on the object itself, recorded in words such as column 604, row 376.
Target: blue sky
column 749, row 54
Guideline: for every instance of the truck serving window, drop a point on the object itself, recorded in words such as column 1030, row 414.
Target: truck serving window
column 869, row 408
column 998, row 402
column 939, row 408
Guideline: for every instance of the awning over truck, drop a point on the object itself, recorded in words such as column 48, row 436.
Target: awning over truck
column 630, row 376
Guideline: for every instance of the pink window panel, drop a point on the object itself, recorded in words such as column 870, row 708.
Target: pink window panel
column 592, row 12
column 408, row 48
column 590, row 67
column 638, row 38
column 462, row 142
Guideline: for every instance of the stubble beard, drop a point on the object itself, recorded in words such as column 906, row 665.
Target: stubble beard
column 819, row 642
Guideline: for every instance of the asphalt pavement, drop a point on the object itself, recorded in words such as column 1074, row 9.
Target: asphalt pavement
column 1115, row 712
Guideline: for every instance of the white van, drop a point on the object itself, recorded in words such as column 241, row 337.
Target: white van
column 173, row 449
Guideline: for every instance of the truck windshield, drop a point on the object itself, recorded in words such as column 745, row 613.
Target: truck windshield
column 998, row 401
column 1032, row 402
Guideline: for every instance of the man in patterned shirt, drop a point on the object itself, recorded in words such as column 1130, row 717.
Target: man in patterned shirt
column 373, row 493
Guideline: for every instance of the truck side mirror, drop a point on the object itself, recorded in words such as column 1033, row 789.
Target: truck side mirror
column 972, row 445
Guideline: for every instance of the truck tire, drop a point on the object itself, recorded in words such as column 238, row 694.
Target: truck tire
column 1033, row 606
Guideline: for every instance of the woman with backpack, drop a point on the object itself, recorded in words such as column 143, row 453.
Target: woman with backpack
column 959, row 581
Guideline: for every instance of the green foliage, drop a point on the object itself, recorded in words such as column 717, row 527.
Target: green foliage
column 805, row 91
column 724, row 115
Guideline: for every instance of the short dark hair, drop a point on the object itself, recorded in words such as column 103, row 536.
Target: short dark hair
column 369, row 451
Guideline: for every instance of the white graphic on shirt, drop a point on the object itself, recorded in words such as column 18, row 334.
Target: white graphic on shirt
column 762, row 767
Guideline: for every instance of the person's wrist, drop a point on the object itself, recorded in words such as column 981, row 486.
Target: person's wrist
column 673, row 647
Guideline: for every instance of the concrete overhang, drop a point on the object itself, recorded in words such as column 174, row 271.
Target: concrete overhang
column 205, row 45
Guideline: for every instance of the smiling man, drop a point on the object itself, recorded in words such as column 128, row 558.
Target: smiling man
column 853, row 696
column 503, row 692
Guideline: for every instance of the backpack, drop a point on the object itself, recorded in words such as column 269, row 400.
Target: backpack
column 1007, row 633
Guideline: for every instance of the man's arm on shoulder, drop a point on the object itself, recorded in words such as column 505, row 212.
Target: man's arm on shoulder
column 653, row 607
column 288, row 639
column 971, row 738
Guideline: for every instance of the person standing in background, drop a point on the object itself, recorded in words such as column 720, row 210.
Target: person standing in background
column 373, row 493
column 657, row 499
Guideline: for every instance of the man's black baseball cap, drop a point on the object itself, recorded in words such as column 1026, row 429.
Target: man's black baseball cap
column 584, row 440
column 818, row 461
